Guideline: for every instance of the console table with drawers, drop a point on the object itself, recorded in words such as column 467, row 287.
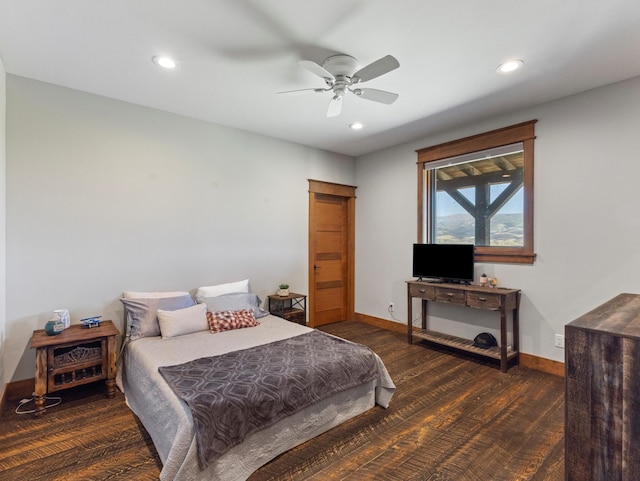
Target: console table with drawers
column 497, row 299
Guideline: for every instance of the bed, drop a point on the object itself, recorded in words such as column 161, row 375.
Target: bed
column 169, row 420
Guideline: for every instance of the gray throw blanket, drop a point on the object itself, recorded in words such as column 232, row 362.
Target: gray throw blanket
column 238, row 393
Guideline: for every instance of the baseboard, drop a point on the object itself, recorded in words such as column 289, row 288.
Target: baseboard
column 14, row 391
column 2, row 400
column 527, row 360
column 20, row 389
column 541, row 364
column 381, row 323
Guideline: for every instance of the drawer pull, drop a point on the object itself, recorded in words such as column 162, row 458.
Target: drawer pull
column 422, row 291
column 449, row 294
column 483, row 299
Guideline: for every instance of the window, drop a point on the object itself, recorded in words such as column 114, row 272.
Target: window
column 479, row 190
column 478, row 198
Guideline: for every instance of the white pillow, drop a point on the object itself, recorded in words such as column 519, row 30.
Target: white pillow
column 229, row 288
column 183, row 321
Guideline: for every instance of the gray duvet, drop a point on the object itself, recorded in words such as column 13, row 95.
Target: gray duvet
column 241, row 392
column 168, row 419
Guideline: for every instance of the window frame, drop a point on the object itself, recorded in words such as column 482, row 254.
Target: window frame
column 523, row 132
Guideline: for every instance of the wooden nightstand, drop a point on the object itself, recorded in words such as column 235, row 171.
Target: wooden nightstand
column 79, row 355
column 292, row 307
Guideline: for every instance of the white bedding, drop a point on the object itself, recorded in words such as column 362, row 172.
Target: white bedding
column 168, row 419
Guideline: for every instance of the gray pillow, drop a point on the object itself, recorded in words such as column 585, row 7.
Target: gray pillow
column 234, row 302
column 142, row 314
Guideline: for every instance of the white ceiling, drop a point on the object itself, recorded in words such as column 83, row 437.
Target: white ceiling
column 234, row 55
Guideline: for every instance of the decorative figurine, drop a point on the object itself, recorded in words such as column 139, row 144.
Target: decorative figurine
column 54, row 326
column 91, row 321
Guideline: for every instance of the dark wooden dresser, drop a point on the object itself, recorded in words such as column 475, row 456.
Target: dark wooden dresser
column 602, row 403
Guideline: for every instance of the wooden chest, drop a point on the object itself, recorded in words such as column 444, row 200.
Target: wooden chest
column 602, row 402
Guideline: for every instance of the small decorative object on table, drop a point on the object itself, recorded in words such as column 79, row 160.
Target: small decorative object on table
column 483, row 280
column 284, row 290
column 494, row 282
column 63, row 314
column 54, row 326
column 91, row 321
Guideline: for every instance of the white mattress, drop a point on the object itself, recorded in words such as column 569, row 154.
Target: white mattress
column 168, row 419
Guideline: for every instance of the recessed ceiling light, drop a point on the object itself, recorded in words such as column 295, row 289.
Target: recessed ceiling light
column 510, row 66
column 165, row 62
column 356, row 126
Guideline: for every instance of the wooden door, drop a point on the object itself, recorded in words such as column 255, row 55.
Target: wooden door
column 331, row 252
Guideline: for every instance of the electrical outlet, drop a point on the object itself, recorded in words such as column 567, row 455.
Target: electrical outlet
column 559, row 341
column 392, row 307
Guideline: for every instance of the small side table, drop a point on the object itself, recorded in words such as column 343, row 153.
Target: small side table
column 292, row 307
column 79, row 355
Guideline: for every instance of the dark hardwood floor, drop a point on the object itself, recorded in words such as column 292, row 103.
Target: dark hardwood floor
column 451, row 419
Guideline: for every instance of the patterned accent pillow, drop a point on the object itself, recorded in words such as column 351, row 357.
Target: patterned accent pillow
column 227, row 320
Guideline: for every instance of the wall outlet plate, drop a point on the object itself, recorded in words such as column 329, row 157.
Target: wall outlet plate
column 559, row 341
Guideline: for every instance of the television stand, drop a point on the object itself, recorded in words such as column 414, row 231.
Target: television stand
column 497, row 299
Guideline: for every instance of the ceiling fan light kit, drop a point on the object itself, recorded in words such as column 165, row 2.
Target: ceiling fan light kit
column 340, row 73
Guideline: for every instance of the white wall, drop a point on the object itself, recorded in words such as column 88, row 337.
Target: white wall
column 105, row 196
column 3, row 263
column 587, row 224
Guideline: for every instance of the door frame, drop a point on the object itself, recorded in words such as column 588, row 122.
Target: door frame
column 349, row 193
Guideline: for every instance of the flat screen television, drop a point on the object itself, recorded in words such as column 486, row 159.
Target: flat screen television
column 443, row 262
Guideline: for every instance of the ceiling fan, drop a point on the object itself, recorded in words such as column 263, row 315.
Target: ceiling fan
column 341, row 75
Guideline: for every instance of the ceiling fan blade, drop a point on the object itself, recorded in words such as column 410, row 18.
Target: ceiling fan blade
column 375, row 69
column 376, row 95
column 303, row 90
column 335, row 106
column 316, row 69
